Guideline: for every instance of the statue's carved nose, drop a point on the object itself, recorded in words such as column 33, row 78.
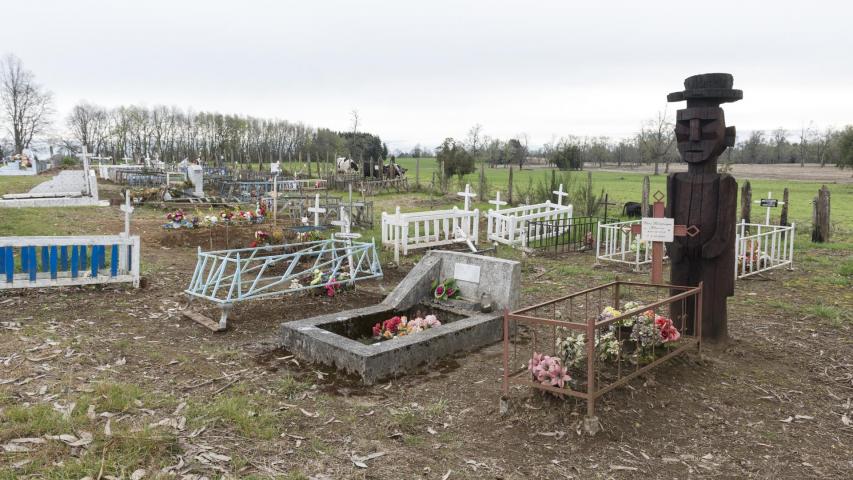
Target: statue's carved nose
column 695, row 132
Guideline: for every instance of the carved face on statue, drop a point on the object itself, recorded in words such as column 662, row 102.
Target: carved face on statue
column 701, row 134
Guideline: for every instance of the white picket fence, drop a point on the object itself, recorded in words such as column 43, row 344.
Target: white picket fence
column 616, row 243
column 759, row 248
column 410, row 231
column 35, row 262
column 509, row 226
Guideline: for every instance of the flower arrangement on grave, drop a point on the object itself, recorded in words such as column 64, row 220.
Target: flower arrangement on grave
column 400, row 326
column 178, row 219
column 638, row 246
column 571, row 348
column 651, row 330
column 261, row 238
column 331, row 287
column 330, row 284
column 177, row 216
column 752, row 258
column 309, row 236
column 548, row 371
column 445, row 289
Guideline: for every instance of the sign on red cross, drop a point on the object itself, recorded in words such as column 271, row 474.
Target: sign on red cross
column 659, row 229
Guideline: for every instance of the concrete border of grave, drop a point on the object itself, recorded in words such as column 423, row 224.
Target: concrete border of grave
column 316, row 340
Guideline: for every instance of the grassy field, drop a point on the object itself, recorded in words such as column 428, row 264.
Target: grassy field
column 627, row 186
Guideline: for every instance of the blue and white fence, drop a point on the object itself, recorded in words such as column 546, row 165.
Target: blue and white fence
column 35, row 262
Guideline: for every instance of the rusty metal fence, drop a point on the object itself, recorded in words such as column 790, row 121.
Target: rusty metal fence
column 635, row 326
column 561, row 235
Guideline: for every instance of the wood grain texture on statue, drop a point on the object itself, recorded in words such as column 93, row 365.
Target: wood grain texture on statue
column 704, row 198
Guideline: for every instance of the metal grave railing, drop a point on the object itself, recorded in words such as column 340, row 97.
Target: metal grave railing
column 229, row 276
column 760, row 248
column 616, row 243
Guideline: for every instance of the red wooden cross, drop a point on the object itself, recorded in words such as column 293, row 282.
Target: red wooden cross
column 657, row 246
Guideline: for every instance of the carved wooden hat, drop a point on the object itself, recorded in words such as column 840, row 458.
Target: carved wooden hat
column 708, row 88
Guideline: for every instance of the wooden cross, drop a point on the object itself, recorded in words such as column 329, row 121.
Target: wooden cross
column 497, row 202
column 560, row 194
column 768, row 203
column 606, row 203
column 659, row 229
column 345, row 225
column 468, row 195
column 127, row 209
column 316, row 210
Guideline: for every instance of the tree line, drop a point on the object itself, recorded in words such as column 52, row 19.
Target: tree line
column 654, row 144
column 166, row 133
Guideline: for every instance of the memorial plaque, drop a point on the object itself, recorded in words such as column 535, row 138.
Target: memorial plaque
column 466, row 273
column 658, row 229
column 769, row 202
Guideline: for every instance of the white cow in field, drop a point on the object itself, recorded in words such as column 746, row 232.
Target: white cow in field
column 346, row 165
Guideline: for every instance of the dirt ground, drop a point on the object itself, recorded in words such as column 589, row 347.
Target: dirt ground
column 160, row 396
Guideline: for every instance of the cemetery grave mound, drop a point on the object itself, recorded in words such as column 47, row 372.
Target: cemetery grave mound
column 360, row 327
column 347, row 340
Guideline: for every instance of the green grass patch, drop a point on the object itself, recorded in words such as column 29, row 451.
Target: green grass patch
column 22, row 184
column 834, row 315
column 289, row 387
column 247, row 414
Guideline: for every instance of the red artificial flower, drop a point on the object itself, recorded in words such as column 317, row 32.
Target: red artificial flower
column 377, row 330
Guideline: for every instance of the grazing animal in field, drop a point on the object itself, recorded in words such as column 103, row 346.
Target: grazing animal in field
column 346, row 165
column 393, row 170
column 633, row 209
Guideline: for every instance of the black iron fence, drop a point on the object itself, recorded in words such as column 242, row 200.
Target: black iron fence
column 576, row 234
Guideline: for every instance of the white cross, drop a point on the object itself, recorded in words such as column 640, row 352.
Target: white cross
column 767, row 216
column 86, row 156
column 468, row 195
column 345, row 225
column 317, row 210
column 127, row 209
column 497, row 202
column 560, row 194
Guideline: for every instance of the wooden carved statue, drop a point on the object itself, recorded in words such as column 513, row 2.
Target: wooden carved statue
column 704, row 198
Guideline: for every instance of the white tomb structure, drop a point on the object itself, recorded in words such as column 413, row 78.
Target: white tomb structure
column 70, row 188
column 195, row 174
column 416, row 230
column 509, row 226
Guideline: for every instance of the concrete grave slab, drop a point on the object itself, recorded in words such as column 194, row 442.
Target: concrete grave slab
column 334, row 339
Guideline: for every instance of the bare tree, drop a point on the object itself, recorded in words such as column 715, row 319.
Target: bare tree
column 85, row 123
column 355, row 120
column 805, row 133
column 780, row 138
column 27, row 106
column 656, row 139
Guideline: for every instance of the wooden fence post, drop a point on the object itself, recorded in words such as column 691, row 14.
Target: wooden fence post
column 820, row 216
column 644, row 206
column 783, row 219
column 745, row 201
column 484, row 186
column 509, row 199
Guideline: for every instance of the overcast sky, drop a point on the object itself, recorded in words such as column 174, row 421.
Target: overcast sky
column 418, row 72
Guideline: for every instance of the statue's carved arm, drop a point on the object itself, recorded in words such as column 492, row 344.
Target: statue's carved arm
column 675, row 250
column 715, row 246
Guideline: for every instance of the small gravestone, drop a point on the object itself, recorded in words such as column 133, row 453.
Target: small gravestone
column 195, row 174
